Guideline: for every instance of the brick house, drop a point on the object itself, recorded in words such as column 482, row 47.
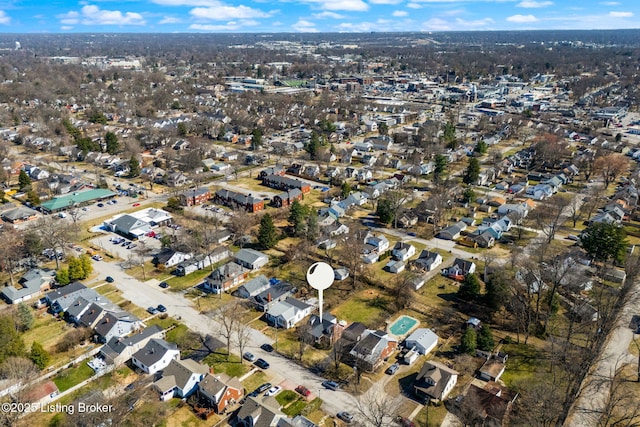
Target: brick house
column 195, row 196
column 285, row 199
column 218, row 390
column 239, row 201
column 286, row 183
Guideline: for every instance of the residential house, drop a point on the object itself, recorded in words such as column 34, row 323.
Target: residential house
column 195, row 196
column 262, row 411
column 378, row 243
column 180, row 378
column 492, row 404
column 287, row 198
column 494, row 367
column 217, row 391
column 356, row 198
column 251, row 259
column 403, row 251
column 428, row 260
column 287, row 313
column 277, row 292
column 272, row 170
column 452, row 232
column 19, row 215
column 285, row 183
column 116, row 324
column 118, row 350
column 340, row 273
column 168, row 258
column 225, row 277
column 253, row 287
column 482, row 238
column 434, row 381
column 371, row 349
column 60, row 299
column 521, row 209
column 237, row 200
column 175, row 179
column 325, row 331
column 407, row 219
column 422, row 340
column 155, row 355
column 202, row 261
column 32, row 284
column 459, row 269
column 395, row 266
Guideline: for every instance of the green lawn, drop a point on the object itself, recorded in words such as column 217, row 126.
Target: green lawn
column 73, row 376
column 232, row 367
column 361, row 307
column 254, row 380
column 523, row 362
column 286, row 397
column 177, row 283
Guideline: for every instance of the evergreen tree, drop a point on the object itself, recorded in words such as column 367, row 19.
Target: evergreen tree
column 468, row 343
column 485, row 339
column 472, row 172
column 97, row 117
column 385, row 211
column 256, row 140
column 268, row 233
column 468, row 195
column 25, row 317
column 481, row 147
column 182, row 129
column 112, row 144
column 604, row 241
column 39, row 356
column 497, row 291
column 11, row 343
column 297, row 216
column 313, row 145
column 313, row 228
column 440, row 168
column 23, row 180
column 469, row 288
column 62, row 277
column 134, row 167
column 345, row 189
column 449, row 134
column 33, row 198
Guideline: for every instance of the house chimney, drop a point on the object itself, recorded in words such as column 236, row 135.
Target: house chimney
column 269, row 297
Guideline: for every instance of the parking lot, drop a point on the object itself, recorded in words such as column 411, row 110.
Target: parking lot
column 126, row 248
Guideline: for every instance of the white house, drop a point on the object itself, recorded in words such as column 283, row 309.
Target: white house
column 155, row 356
column 423, row 340
column 285, row 314
column 379, row 242
column 428, row 260
column 180, row 378
column 435, row 381
column 403, row 251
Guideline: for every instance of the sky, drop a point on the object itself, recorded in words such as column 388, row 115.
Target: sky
column 249, row 16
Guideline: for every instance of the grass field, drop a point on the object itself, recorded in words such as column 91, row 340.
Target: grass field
column 364, row 306
column 232, row 367
column 254, row 380
column 73, row 376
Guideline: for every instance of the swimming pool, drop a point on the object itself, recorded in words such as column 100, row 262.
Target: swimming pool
column 402, row 325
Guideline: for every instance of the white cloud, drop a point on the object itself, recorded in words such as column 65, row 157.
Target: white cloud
column 621, row 14
column 385, row 1
column 93, row 15
column 4, row 18
column 66, row 28
column 352, row 5
column 462, row 24
column 532, row 4
column 414, row 6
column 358, row 27
column 170, row 20
column 328, row 15
column 437, row 24
column 522, row 19
column 223, row 13
column 400, row 13
column 205, row 3
column 229, row 26
column 304, row 26
column 610, row 3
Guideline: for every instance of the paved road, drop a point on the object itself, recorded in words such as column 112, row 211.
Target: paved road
column 282, row 370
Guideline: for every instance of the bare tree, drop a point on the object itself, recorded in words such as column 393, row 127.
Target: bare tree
column 351, row 248
column 610, row 167
column 226, row 316
column 548, row 215
column 12, row 250
column 574, row 209
column 375, row 407
column 54, row 234
column 621, row 406
column 241, row 333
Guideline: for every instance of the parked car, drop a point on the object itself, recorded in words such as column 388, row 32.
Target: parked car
column 161, row 308
column 249, row 356
column 303, row 390
column 392, row 369
column 273, row 390
column 267, row 347
column 345, row 416
column 331, row 385
column 262, row 364
column 135, row 205
column 405, row 422
column 97, row 258
column 257, row 391
column 152, row 310
column 109, row 279
column 164, row 285
column 411, row 233
column 101, row 205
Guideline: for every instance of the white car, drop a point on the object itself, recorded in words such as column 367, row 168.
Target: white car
column 97, row 257
column 273, row 390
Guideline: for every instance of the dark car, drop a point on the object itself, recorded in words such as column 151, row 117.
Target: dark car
column 411, row 233
column 109, row 279
column 161, row 308
column 267, row 347
column 331, row 385
column 164, row 285
column 303, row 390
column 152, row 310
column 101, row 205
column 345, row 416
column 257, row 391
column 392, row 369
column 262, row 364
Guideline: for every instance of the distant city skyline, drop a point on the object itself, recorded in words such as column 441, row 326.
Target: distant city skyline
column 247, row 16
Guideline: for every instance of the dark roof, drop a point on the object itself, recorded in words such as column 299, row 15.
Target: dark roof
column 164, row 256
column 154, row 351
column 117, row 345
column 432, row 378
column 274, row 292
column 354, row 331
column 178, row 373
